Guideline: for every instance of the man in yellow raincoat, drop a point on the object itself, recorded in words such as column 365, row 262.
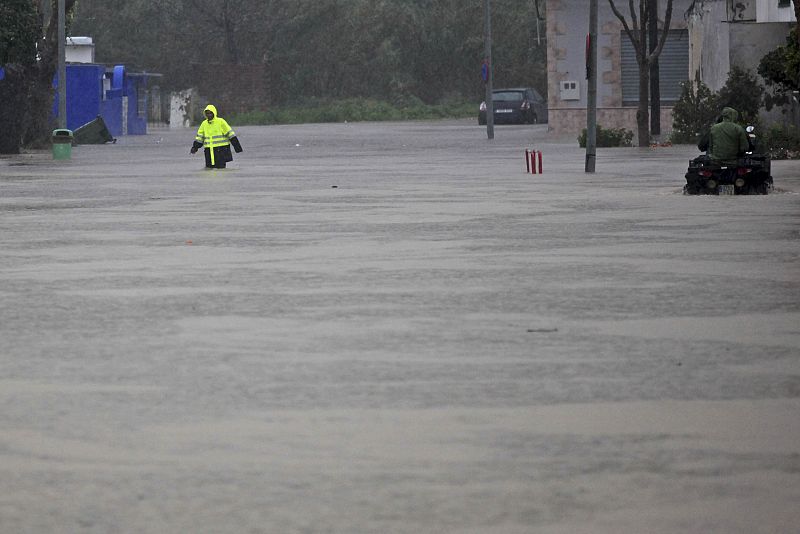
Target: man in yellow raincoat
column 215, row 136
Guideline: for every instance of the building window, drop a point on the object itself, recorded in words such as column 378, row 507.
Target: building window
column 673, row 66
column 784, row 3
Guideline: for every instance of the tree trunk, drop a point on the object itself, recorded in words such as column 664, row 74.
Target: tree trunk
column 229, row 27
column 643, row 113
column 13, row 95
column 39, row 120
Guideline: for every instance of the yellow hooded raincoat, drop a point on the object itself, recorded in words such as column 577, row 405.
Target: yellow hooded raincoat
column 215, row 135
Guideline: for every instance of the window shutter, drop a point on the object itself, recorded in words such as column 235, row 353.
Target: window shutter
column 673, row 66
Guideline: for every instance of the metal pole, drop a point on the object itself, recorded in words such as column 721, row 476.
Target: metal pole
column 487, row 5
column 62, row 67
column 591, row 105
column 655, row 89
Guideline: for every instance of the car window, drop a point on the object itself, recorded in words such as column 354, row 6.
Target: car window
column 512, row 96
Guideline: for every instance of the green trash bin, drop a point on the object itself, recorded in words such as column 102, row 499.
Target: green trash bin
column 62, row 143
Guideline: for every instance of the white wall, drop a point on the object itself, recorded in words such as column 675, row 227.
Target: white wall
column 768, row 11
column 710, row 45
column 79, row 50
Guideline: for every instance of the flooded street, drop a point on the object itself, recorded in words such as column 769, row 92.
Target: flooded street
column 393, row 328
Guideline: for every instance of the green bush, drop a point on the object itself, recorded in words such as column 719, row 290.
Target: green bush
column 744, row 93
column 694, row 113
column 698, row 107
column 780, row 70
column 356, row 110
column 782, row 142
column 610, row 137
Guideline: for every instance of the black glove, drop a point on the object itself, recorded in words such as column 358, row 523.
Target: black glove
column 236, row 145
column 195, row 147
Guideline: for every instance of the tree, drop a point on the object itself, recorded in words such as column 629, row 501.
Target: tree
column 636, row 31
column 744, row 93
column 29, row 54
column 781, row 70
column 19, row 31
column 694, row 112
column 797, row 18
column 384, row 49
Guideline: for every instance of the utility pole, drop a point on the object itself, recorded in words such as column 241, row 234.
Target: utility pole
column 487, row 16
column 591, row 89
column 62, row 67
column 655, row 88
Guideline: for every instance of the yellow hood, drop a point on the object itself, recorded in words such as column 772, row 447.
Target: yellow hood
column 212, row 109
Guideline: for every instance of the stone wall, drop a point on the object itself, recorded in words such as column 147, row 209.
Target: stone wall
column 572, row 121
column 567, row 26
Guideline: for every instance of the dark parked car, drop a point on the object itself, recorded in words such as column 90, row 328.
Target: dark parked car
column 523, row 105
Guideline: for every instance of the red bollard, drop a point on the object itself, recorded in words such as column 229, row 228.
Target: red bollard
column 532, row 157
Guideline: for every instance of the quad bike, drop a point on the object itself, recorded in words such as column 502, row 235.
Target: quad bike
column 750, row 176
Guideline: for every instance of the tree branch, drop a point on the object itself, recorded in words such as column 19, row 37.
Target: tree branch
column 630, row 32
column 664, row 33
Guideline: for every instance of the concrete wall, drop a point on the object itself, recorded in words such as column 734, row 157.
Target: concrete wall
column 111, row 111
column 567, row 27
column 721, row 35
column 754, row 41
column 768, row 11
column 134, row 86
column 573, row 121
column 709, row 52
column 717, row 45
column 84, row 94
column 87, row 97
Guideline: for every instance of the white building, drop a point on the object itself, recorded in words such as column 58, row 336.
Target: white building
column 706, row 41
column 79, row 50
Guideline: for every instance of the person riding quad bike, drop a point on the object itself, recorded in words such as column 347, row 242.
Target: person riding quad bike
column 731, row 165
column 726, row 141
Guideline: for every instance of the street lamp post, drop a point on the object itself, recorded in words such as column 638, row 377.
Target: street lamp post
column 655, row 87
column 62, row 67
column 487, row 5
column 591, row 89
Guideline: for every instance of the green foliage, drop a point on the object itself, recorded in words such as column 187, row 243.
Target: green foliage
column 19, row 30
column 339, row 49
column 782, row 142
column 354, row 110
column 28, row 57
column 694, row 112
column 697, row 109
column 608, row 137
column 781, row 71
column 744, row 93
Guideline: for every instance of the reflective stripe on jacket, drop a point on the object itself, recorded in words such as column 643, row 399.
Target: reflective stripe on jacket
column 214, row 133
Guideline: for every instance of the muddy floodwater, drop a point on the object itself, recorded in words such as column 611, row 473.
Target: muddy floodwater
column 393, row 328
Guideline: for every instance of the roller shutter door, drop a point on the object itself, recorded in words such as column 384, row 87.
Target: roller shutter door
column 673, row 64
